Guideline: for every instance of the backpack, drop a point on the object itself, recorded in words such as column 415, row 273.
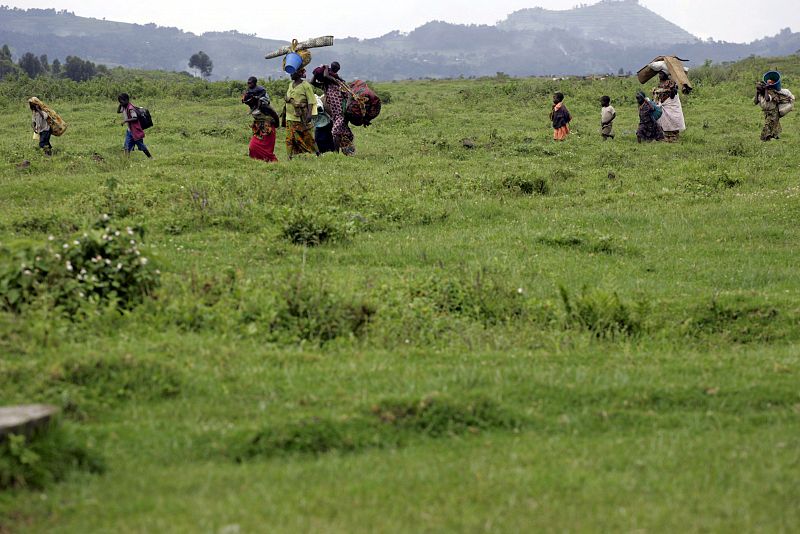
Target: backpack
column 657, row 112
column 362, row 106
column 145, row 119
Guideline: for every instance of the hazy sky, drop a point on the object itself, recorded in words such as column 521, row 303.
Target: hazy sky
column 729, row 20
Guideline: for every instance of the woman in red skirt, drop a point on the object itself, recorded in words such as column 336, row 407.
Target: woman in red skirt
column 265, row 120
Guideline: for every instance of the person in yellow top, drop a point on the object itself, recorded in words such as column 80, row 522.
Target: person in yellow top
column 301, row 107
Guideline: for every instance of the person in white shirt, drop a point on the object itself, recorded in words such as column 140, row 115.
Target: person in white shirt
column 41, row 126
column 607, row 116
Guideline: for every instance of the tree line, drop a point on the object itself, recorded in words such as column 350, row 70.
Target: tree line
column 73, row 67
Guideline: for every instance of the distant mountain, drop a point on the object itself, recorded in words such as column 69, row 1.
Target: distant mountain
column 621, row 22
column 601, row 38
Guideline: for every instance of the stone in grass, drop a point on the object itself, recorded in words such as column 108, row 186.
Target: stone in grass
column 25, row 419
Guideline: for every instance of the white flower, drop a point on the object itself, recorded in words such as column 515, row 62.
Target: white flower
column 77, row 242
column 116, row 233
column 144, row 261
column 57, row 256
column 105, row 236
column 106, row 217
column 50, row 238
column 83, row 271
column 69, row 266
column 27, row 272
column 133, row 242
column 108, row 262
column 520, row 291
column 130, row 231
column 119, row 266
column 66, row 246
column 158, row 271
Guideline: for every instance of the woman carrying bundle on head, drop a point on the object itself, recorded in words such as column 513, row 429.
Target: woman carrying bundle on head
column 327, row 78
column 265, row 121
column 301, row 107
column 672, row 120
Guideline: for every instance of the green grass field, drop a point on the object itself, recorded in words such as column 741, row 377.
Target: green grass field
column 519, row 336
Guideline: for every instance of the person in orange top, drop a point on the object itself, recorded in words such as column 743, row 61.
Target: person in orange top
column 560, row 117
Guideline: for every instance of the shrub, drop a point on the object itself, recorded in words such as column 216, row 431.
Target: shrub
column 485, row 297
column 527, row 185
column 104, row 264
column 312, row 313
column 45, row 457
column 304, row 228
column 600, row 312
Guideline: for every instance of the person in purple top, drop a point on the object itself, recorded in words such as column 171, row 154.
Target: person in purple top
column 135, row 134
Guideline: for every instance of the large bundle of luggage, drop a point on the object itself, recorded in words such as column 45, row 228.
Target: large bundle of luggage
column 54, row 120
column 362, row 105
column 671, row 65
column 785, row 101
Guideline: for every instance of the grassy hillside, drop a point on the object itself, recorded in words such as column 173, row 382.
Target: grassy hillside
column 510, row 337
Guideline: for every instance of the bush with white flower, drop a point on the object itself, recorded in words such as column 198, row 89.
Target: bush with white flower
column 103, row 264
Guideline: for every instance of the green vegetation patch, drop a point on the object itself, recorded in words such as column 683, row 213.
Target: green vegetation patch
column 45, row 457
column 387, row 424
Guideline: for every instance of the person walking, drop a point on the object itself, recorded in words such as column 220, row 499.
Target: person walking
column 649, row 129
column 41, row 125
column 327, row 78
column 301, row 107
column 666, row 95
column 265, row 122
column 607, row 116
column 560, row 117
column 134, row 137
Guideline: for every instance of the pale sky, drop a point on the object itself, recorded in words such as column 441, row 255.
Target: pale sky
column 728, row 20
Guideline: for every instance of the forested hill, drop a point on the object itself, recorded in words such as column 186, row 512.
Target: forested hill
column 602, row 38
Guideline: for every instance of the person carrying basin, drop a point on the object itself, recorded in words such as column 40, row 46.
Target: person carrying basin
column 776, row 102
column 298, row 116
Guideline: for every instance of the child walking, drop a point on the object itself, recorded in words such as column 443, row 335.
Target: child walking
column 41, row 125
column 607, row 116
column 560, row 117
column 134, row 137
